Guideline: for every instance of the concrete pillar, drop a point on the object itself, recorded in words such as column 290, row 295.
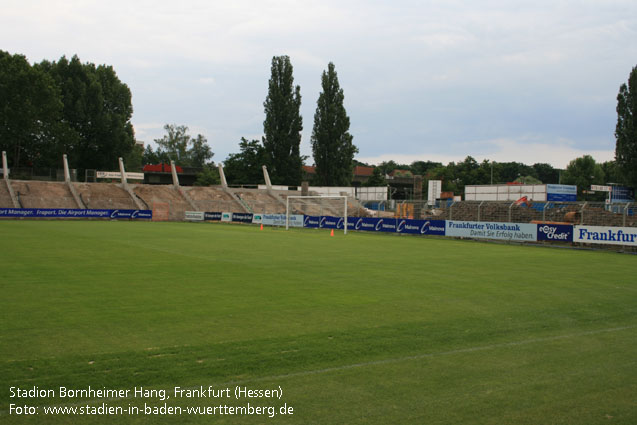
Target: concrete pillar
column 266, row 177
column 123, row 172
column 174, row 173
column 67, row 174
column 222, row 176
column 5, row 167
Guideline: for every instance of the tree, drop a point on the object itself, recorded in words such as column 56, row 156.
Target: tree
column 177, row 145
column 626, row 130
column 376, row 179
column 332, row 145
column 527, row 180
column 421, row 168
column 199, row 153
column 387, row 167
column 612, row 173
column 208, row 177
column 546, row 173
column 245, row 167
column 583, row 172
column 283, row 124
column 97, row 108
column 134, row 160
column 31, row 128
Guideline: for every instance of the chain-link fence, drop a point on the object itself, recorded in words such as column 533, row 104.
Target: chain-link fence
column 582, row 213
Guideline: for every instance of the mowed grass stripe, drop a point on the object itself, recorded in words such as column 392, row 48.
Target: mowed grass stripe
column 122, row 304
column 381, row 362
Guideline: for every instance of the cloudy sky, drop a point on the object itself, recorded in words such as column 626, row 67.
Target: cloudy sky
column 527, row 81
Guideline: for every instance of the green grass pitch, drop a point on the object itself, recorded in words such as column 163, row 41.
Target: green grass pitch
column 356, row 329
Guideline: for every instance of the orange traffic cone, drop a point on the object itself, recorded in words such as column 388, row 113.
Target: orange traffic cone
column 332, row 232
column 261, row 226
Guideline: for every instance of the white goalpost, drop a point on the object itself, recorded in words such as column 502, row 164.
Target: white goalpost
column 306, row 202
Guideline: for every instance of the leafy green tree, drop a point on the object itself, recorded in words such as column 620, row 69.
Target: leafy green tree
column 376, row 179
column 134, row 159
column 509, row 171
column 245, row 167
column 283, row 124
column 527, row 180
column 583, row 172
column 209, row 176
column 31, row 129
column 332, row 145
column 97, row 108
column 450, row 183
column 612, row 172
column 150, row 156
column 177, row 145
column 387, row 167
column 626, row 130
column 546, row 173
column 421, row 168
column 199, row 153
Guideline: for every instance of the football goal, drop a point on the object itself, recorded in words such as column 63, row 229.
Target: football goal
column 325, row 206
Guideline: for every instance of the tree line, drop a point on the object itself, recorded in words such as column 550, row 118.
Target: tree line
column 581, row 172
column 51, row 108
column 84, row 110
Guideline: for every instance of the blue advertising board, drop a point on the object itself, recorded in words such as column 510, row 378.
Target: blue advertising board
column 375, row 224
column 329, row 222
column 242, row 218
column 75, row 213
column 421, row 227
column 561, row 192
column 311, row 221
column 555, row 232
column 363, row 223
column 212, row 216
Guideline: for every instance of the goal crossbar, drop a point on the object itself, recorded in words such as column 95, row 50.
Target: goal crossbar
column 287, row 207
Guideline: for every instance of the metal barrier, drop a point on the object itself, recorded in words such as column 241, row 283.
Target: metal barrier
column 583, row 213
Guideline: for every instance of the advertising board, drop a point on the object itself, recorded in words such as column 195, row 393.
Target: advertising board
column 242, row 217
column 495, row 230
column 194, row 215
column 606, row 235
column 561, row 193
column 75, row 213
column 212, row 216
column 421, row 227
column 555, row 232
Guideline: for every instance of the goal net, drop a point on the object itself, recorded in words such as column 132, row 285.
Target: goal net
column 329, row 212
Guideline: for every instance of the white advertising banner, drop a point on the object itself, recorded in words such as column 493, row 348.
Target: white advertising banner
column 296, row 220
column 118, row 175
column 226, row 216
column 484, row 230
column 606, row 235
column 194, row 215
